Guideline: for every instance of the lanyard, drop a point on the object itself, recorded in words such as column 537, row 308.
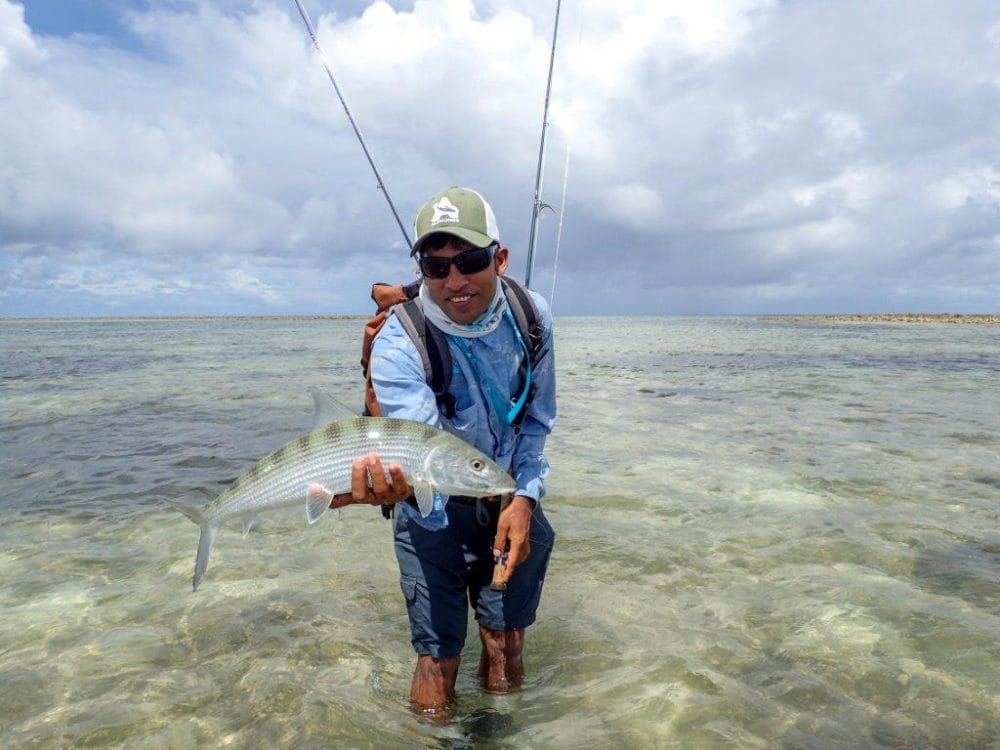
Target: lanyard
column 507, row 411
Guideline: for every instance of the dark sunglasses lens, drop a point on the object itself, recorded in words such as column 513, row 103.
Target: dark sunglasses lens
column 435, row 268
column 470, row 261
column 473, row 261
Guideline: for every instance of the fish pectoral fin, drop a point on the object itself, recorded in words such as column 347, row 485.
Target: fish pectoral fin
column 424, row 494
column 318, row 499
column 248, row 523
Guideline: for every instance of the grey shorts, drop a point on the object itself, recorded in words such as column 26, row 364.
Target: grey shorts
column 444, row 573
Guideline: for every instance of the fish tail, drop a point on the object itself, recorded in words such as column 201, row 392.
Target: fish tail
column 208, row 531
column 205, row 542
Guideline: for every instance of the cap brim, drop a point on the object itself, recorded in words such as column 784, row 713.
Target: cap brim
column 474, row 238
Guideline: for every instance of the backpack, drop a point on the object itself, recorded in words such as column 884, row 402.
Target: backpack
column 432, row 344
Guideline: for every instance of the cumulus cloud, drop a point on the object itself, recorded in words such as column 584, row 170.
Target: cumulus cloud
column 243, row 282
column 727, row 156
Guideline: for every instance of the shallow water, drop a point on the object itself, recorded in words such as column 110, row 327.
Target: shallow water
column 770, row 536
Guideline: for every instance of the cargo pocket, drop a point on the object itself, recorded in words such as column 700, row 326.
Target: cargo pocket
column 418, row 611
column 409, row 586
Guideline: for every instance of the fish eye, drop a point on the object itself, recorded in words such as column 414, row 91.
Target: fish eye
column 477, row 464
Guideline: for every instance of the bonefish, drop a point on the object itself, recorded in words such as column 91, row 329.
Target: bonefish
column 432, row 460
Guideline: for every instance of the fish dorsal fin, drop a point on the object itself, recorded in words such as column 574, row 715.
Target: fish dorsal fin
column 327, row 409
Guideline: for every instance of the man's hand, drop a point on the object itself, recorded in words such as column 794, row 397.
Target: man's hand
column 369, row 485
column 512, row 540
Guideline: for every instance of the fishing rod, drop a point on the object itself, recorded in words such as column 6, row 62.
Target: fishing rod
column 357, row 132
column 538, row 205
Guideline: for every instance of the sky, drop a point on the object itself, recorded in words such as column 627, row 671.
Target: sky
column 185, row 157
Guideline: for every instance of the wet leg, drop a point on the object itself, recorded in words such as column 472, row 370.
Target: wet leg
column 500, row 667
column 432, row 691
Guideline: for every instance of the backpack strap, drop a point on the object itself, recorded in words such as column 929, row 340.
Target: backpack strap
column 432, row 345
column 525, row 314
column 385, row 296
column 529, row 325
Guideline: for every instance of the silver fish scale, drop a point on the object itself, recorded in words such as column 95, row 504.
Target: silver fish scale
column 325, row 456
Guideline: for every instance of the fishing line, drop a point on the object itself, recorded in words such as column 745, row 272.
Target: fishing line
column 562, row 214
column 350, row 117
column 562, row 205
column 545, row 540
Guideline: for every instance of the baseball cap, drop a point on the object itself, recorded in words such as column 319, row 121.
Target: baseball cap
column 458, row 211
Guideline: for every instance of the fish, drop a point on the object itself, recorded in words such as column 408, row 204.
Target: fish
column 312, row 468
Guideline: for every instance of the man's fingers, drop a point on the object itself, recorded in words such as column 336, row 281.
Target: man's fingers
column 500, row 541
column 376, row 474
column 369, row 483
column 359, row 479
column 512, row 536
column 400, row 487
column 518, row 553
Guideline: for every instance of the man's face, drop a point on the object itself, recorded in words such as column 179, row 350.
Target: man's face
column 463, row 297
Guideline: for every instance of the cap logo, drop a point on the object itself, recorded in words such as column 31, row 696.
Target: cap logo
column 445, row 212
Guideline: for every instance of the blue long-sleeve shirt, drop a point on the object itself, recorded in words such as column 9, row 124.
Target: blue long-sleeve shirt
column 402, row 391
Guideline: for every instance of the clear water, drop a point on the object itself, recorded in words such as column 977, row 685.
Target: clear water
column 770, row 536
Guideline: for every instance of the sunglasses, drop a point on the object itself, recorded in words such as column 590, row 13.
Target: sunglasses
column 473, row 260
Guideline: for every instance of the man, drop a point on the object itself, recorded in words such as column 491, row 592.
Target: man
column 446, row 559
